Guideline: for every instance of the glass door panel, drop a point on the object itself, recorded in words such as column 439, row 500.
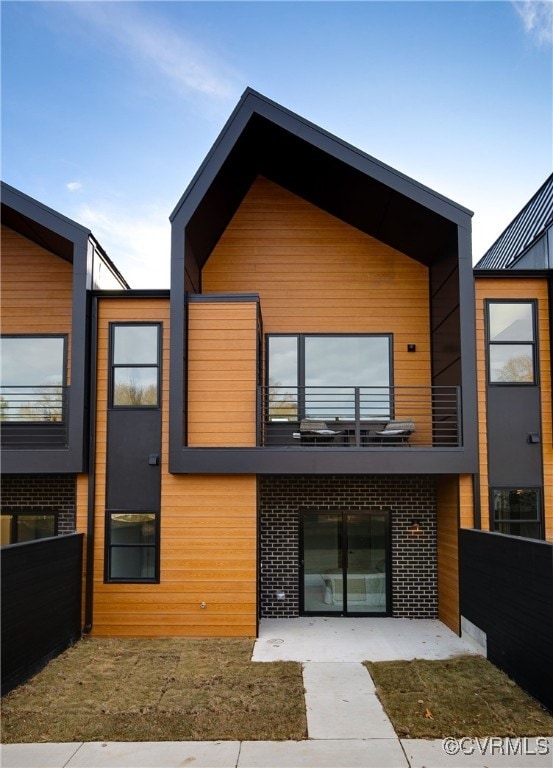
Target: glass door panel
column 366, row 563
column 345, row 563
column 322, row 557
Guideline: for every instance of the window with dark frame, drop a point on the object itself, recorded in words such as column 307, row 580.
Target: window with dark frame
column 18, row 526
column 132, row 547
column 511, row 337
column 517, row 512
column 316, row 376
column 135, row 365
column 33, row 378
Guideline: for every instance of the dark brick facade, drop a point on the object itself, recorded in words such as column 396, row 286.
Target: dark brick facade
column 414, row 557
column 42, row 492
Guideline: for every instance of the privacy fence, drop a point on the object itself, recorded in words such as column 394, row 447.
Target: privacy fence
column 41, row 604
column 506, row 590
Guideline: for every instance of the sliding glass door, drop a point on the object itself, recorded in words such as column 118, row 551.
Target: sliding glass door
column 344, row 563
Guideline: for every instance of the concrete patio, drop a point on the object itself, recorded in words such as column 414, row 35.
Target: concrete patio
column 329, row 639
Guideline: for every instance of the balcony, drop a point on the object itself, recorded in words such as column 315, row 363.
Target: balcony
column 361, row 417
column 34, row 417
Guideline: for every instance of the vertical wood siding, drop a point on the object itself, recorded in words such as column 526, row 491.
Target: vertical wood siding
column 36, row 289
column 316, row 274
column 207, row 523
column 512, row 288
column 222, row 374
column 448, row 553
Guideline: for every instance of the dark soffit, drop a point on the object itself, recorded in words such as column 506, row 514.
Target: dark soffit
column 263, row 138
column 42, row 225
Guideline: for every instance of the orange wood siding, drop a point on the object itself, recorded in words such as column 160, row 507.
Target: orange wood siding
column 448, row 553
column 208, row 531
column 316, row 274
column 466, row 501
column 222, row 374
column 513, row 288
column 36, row 289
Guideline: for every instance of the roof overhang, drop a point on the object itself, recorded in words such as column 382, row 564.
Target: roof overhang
column 263, row 138
column 40, row 224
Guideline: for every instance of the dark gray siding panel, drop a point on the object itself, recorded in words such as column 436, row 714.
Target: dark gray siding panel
column 132, row 482
column 513, row 412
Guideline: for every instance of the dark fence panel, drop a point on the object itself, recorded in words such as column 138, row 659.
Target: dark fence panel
column 41, row 604
column 506, row 589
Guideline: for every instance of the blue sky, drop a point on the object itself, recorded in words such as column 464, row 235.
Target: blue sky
column 108, row 108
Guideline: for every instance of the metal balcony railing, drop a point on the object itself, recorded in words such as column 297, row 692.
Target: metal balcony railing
column 346, row 416
column 33, row 417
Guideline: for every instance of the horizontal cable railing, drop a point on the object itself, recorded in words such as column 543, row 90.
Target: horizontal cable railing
column 361, row 416
column 33, row 416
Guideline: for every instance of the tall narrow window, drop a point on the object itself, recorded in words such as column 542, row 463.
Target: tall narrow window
column 135, row 365
column 511, row 342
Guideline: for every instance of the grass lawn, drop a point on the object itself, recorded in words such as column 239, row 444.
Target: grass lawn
column 465, row 696
column 157, row 690
column 176, row 689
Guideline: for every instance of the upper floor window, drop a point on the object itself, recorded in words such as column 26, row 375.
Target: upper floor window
column 511, row 342
column 33, row 378
column 328, row 377
column 135, row 363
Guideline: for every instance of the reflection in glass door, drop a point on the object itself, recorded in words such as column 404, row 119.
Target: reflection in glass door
column 344, row 563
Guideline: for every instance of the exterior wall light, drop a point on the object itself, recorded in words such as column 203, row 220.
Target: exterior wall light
column 415, row 528
column 411, row 347
column 533, row 438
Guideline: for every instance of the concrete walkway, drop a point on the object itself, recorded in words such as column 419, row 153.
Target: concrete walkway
column 347, row 726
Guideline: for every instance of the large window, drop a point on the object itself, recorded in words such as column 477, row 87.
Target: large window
column 32, row 378
column 511, row 342
column 20, row 525
column 517, row 511
column 135, row 365
column 329, row 377
column 132, row 546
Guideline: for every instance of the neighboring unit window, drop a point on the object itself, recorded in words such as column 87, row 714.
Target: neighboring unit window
column 516, row 511
column 32, row 378
column 132, row 546
column 24, row 526
column 135, row 366
column 511, row 342
column 316, row 376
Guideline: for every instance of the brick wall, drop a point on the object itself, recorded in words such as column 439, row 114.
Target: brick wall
column 42, row 492
column 414, row 557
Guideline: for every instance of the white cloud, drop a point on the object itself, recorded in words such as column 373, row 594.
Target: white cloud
column 74, row 186
column 138, row 243
column 186, row 65
column 537, row 17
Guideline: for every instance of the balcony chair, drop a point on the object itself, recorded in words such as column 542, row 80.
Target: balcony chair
column 394, row 432
column 312, row 431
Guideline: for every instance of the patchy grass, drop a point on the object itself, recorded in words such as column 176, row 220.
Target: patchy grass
column 464, row 696
column 157, row 690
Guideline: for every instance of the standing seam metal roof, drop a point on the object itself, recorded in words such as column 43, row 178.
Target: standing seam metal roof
column 523, row 231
